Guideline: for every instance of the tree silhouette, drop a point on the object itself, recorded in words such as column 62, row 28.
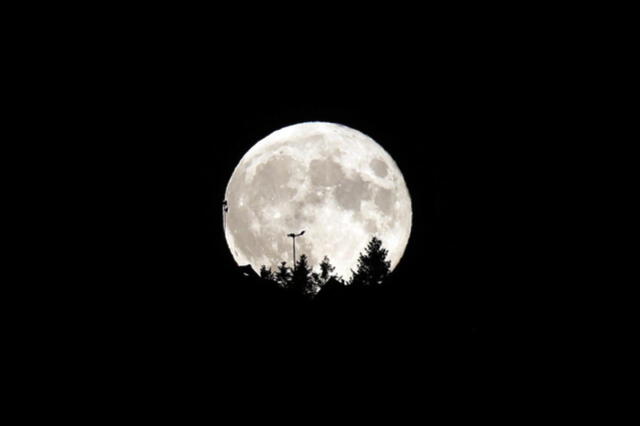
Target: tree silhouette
column 326, row 268
column 267, row 274
column 320, row 279
column 373, row 267
column 316, row 282
column 301, row 281
column 283, row 275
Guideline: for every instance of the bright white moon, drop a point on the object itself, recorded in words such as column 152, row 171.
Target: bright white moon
column 332, row 181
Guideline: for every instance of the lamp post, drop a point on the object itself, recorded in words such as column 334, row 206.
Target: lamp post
column 293, row 236
column 225, row 209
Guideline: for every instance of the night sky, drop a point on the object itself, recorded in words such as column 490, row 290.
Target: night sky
column 485, row 109
column 464, row 129
column 450, row 139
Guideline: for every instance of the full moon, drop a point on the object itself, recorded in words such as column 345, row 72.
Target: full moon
column 335, row 183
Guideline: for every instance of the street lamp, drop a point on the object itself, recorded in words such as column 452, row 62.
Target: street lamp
column 225, row 209
column 292, row 235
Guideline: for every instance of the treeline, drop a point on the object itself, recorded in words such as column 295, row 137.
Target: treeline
column 372, row 269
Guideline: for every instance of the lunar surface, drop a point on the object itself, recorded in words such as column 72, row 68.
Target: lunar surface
column 329, row 180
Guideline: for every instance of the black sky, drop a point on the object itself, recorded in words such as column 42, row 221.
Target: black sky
column 454, row 139
column 467, row 126
column 153, row 106
column 458, row 131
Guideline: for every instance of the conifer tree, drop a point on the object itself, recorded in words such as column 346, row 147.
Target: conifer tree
column 266, row 273
column 325, row 270
column 283, row 275
column 373, row 266
column 301, row 280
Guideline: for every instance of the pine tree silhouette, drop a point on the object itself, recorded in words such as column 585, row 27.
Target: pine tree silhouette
column 283, row 275
column 326, row 269
column 301, row 282
column 316, row 282
column 373, row 267
column 267, row 274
